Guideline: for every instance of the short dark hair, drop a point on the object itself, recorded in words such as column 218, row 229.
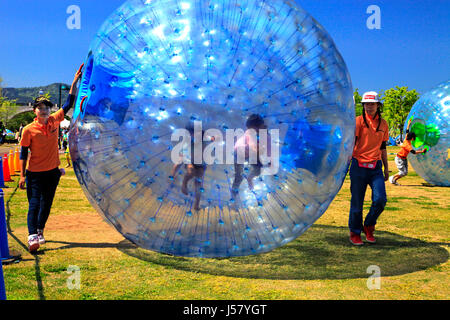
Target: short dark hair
column 254, row 121
column 42, row 100
column 190, row 127
column 410, row 136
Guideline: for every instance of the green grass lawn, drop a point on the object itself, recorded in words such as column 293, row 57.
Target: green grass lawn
column 412, row 254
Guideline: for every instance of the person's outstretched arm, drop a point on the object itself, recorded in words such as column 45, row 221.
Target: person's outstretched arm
column 409, row 124
column 73, row 88
column 421, row 151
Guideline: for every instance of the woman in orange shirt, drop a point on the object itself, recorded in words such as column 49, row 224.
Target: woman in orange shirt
column 369, row 155
column 42, row 175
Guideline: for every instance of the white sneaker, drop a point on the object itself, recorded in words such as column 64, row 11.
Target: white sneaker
column 40, row 235
column 391, row 180
column 33, row 243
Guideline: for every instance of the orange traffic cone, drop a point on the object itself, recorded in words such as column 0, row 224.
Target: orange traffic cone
column 6, row 174
column 17, row 160
column 11, row 163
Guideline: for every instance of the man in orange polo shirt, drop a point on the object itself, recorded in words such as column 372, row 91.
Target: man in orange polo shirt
column 43, row 173
column 369, row 154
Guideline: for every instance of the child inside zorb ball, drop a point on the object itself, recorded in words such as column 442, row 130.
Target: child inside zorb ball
column 251, row 147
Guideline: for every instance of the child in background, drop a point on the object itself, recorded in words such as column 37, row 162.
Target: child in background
column 20, row 131
column 67, row 152
column 65, row 138
column 42, row 175
column 401, row 159
column 66, row 146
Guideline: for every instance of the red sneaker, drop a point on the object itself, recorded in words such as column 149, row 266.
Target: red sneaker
column 355, row 239
column 33, row 243
column 41, row 236
column 368, row 230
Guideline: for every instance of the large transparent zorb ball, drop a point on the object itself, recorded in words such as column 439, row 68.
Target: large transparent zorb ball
column 430, row 122
column 171, row 81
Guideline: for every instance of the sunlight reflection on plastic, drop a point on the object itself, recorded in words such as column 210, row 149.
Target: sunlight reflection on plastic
column 156, row 66
column 430, row 119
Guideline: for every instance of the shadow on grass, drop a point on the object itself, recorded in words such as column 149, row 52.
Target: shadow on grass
column 423, row 184
column 100, row 245
column 412, row 185
column 323, row 252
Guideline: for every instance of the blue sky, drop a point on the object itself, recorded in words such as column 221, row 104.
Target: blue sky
column 411, row 49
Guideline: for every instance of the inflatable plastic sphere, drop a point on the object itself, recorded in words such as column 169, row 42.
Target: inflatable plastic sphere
column 430, row 120
column 212, row 128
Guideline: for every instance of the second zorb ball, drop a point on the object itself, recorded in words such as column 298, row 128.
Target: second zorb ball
column 211, row 70
column 430, row 122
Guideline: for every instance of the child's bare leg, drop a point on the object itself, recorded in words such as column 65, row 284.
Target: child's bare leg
column 397, row 176
column 198, row 184
column 189, row 175
column 238, row 168
column 250, row 181
column 198, row 173
column 256, row 171
column 175, row 169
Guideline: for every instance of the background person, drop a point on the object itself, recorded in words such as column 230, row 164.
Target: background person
column 401, row 159
column 20, row 131
column 2, row 132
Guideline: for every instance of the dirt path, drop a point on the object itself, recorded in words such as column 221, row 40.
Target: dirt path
column 87, row 230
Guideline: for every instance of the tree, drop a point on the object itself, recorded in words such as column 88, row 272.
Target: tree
column 397, row 105
column 24, row 118
column 7, row 109
column 358, row 106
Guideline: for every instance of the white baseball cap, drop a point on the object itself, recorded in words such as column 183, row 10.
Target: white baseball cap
column 370, row 96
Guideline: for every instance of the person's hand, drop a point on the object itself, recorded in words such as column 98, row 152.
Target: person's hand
column 386, row 174
column 22, row 183
column 424, row 151
column 78, row 74
column 63, row 172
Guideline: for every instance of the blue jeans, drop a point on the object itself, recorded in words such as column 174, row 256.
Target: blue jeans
column 41, row 188
column 360, row 178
